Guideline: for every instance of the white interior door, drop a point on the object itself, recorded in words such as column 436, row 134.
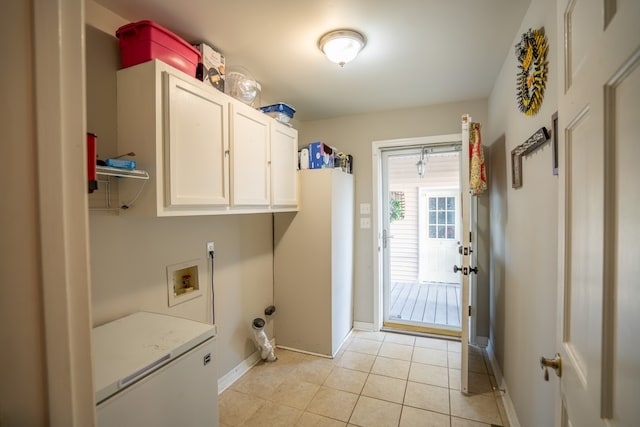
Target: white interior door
column 465, row 254
column 598, row 294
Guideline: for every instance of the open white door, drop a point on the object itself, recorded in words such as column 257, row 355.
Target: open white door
column 465, row 252
column 599, row 203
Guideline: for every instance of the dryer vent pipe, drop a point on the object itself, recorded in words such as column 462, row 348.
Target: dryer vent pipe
column 261, row 340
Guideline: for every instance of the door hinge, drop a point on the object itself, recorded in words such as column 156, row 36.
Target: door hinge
column 469, row 311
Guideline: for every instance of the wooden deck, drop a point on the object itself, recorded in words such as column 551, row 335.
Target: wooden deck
column 430, row 303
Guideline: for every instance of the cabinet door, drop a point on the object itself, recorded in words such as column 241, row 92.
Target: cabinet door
column 249, row 156
column 195, row 145
column 284, row 163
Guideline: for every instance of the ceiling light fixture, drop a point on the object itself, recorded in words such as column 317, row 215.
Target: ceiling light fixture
column 341, row 46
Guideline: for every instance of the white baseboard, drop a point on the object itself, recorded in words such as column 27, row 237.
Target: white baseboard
column 242, row 368
column 504, row 393
column 364, row 326
column 297, row 350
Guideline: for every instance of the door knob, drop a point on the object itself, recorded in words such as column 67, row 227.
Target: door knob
column 473, row 270
column 456, row 268
column 555, row 363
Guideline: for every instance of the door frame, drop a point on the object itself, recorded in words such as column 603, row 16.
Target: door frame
column 377, row 218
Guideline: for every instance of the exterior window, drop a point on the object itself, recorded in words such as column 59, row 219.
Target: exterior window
column 396, row 206
column 442, row 217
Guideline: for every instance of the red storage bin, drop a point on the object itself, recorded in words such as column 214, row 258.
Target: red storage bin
column 143, row 41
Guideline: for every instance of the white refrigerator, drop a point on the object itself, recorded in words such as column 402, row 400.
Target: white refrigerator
column 313, row 265
column 155, row 370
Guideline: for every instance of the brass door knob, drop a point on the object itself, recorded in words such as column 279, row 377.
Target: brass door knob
column 555, row 363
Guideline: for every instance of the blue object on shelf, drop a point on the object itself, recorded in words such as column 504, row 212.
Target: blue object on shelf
column 121, row 163
column 279, row 108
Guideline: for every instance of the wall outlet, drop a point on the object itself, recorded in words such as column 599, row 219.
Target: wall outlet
column 209, row 248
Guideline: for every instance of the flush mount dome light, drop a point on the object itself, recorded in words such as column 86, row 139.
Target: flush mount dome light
column 341, row 46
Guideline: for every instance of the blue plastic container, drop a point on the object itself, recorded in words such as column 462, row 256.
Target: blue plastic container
column 277, row 110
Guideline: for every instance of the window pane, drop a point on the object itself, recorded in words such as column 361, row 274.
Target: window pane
column 441, row 232
column 451, row 232
column 451, row 217
column 451, row 203
column 442, row 217
column 432, row 217
column 432, row 231
column 442, row 203
column 432, row 203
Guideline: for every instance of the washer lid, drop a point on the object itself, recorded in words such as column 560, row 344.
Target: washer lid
column 130, row 348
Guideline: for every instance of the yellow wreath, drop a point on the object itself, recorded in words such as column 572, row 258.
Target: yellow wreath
column 532, row 77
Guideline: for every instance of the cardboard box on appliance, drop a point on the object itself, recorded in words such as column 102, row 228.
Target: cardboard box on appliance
column 321, row 155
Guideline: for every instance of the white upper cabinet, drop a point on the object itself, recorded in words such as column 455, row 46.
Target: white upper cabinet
column 284, row 162
column 206, row 153
column 195, row 143
column 249, row 156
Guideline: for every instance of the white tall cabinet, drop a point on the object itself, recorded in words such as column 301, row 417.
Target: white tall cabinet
column 313, row 264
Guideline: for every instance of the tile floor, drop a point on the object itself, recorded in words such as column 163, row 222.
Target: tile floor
column 377, row 379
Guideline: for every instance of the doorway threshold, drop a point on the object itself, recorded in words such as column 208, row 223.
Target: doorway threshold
column 424, row 331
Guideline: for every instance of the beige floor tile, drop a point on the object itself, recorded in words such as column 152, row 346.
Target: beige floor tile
column 236, row 408
column 346, row 380
column 368, row 335
column 400, row 339
column 454, row 360
column 385, row 388
column 391, row 367
column 286, row 356
column 333, row 403
column 296, row 394
column 260, row 381
column 371, row 412
column 454, row 346
column 429, row 397
column 414, row 417
column 476, row 364
column 430, row 356
column 396, row 351
column 476, row 351
column 366, row 346
column 434, row 343
column 461, row 422
column 454, row 379
column 357, row 361
column 479, row 383
column 313, row 420
column 477, row 407
column 274, row 415
column 429, row 374
column 313, row 371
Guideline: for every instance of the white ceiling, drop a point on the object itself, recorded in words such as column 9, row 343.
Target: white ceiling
column 418, row 52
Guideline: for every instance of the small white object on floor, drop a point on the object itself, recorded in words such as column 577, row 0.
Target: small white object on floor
column 262, row 341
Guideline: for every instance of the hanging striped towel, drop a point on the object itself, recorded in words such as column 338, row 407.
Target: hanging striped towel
column 477, row 173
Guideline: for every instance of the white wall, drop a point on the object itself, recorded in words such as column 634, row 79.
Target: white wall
column 129, row 255
column 524, row 235
column 354, row 135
